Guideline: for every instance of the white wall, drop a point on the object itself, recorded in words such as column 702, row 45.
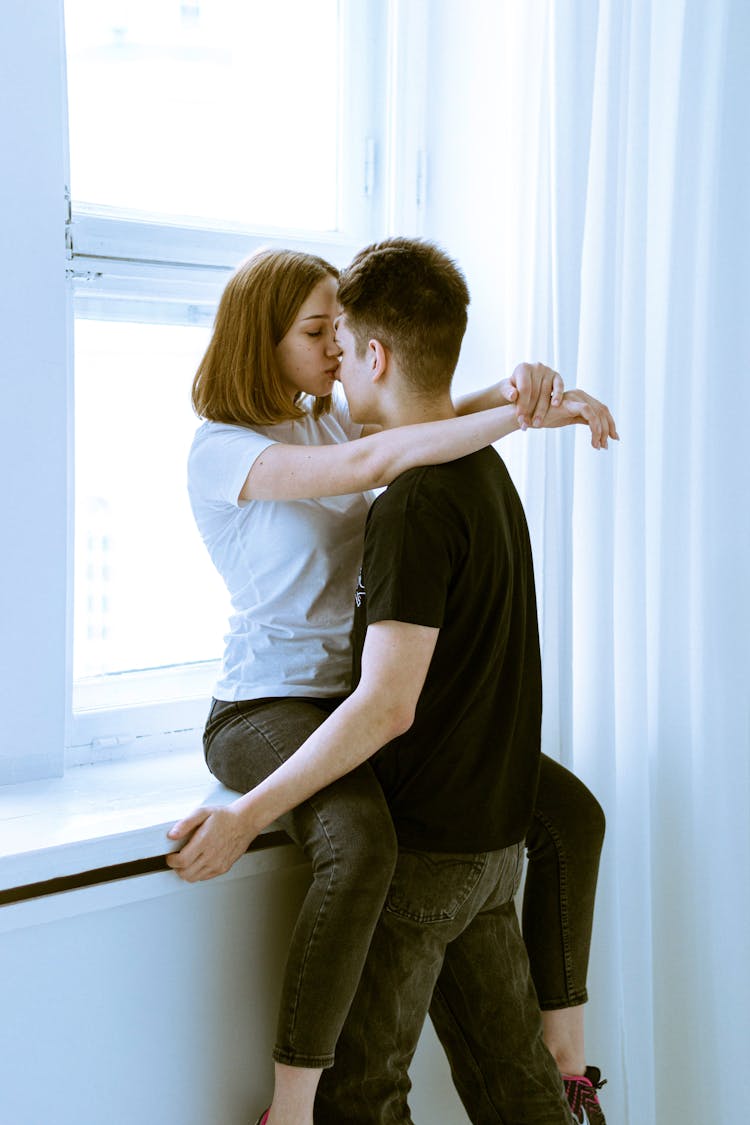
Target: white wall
column 144, row 1002
column 34, row 445
column 151, row 1001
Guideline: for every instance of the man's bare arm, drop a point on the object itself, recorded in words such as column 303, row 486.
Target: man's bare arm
column 395, row 660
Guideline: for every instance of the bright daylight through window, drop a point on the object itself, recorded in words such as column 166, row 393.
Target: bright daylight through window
column 146, row 594
column 206, row 108
column 192, row 123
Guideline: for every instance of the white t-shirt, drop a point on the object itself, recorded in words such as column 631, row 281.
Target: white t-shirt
column 290, row 566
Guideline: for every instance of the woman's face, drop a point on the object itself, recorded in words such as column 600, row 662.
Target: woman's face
column 308, row 355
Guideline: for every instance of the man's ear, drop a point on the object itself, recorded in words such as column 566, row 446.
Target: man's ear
column 378, row 358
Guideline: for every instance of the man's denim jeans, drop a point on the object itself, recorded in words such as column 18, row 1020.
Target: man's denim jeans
column 448, row 941
column 347, row 833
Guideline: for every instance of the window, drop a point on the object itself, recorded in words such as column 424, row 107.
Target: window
column 198, row 109
column 135, row 604
column 198, row 131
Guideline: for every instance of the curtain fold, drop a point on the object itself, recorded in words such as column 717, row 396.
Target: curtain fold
column 590, row 167
column 660, row 560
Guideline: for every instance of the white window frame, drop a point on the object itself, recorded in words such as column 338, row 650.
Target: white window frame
column 36, row 317
column 161, row 269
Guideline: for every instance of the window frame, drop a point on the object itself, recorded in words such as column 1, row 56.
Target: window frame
column 132, row 266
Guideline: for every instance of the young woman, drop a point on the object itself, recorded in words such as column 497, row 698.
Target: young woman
column 277, row 483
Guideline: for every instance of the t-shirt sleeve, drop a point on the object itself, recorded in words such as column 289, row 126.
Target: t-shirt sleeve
column 411, row 552
column 220, row 459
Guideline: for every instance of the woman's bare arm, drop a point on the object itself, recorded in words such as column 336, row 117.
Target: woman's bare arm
column 300, row 472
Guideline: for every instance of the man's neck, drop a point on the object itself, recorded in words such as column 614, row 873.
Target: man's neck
column 411, row 410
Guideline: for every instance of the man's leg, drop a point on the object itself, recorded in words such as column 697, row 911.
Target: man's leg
column 486, row 1014
column 432, row 898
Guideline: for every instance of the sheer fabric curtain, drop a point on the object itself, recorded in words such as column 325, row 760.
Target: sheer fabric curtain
column 660, row 545
column 590, row 169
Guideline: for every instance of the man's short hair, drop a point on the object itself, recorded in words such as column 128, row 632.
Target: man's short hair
column 409, row 295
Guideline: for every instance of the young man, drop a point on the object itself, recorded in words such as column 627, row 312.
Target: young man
column 447, row 588
column 447, row 702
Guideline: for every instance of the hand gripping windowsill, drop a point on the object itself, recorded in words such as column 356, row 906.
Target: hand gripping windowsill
column 103, row 816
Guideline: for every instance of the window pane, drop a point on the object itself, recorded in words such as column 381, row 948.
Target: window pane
column 146, row 593
column 206, row 108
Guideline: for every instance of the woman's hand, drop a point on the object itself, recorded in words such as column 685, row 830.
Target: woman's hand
column 579, row 407
column 217, row 839
column 533, row 388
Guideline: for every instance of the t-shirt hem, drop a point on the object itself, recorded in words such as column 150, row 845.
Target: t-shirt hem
column 279, row 691
column 419, row 843
column 405, row 616
column 239, row 484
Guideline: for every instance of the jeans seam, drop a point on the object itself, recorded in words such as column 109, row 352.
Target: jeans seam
column 298, row 986
column 519, row 868
column 562, row 869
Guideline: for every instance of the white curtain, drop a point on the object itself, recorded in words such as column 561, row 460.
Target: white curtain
column 644, row 146
column 621, row 232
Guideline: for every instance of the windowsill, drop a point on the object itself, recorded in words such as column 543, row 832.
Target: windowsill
column 100, row 815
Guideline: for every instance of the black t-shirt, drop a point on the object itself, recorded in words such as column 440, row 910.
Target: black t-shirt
column 447, row 546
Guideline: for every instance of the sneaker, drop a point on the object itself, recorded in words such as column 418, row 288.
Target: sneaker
column 581, row 1093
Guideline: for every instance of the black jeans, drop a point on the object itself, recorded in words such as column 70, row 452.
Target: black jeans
column 563, row 844
column 347, row 834
column 448, row 940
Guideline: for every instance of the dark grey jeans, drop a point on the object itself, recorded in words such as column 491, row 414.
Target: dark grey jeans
column 347, row 833
column 563, row 844
column 447, row 942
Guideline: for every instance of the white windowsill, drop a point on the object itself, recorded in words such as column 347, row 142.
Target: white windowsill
column 100, row 815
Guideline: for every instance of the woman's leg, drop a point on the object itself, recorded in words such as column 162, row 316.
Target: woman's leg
column 347, row 833
column 564, row 843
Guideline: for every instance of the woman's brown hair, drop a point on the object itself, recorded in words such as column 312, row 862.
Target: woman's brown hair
column 238, row 380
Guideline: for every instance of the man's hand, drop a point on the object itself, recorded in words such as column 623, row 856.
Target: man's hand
column 533, row 388
column 218, row 837
column 579, row 407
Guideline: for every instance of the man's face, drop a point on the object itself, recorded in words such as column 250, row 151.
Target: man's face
column 355, row 374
